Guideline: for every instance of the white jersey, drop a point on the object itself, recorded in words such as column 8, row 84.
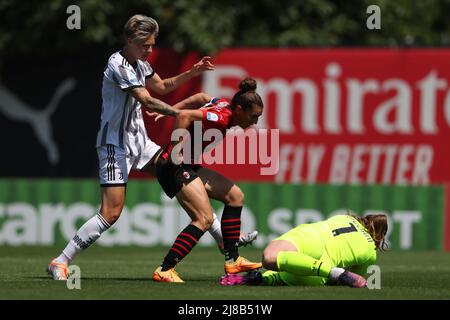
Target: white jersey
column 122, row 124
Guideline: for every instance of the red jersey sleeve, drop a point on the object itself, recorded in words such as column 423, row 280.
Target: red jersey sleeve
column 217, row 116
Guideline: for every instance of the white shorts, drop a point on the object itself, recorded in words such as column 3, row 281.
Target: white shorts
column 115, row 162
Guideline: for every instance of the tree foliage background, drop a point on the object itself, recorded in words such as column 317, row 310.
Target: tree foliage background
column 206, row 26
column 38, row 52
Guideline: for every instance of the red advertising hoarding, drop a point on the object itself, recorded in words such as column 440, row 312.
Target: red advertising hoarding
column 345, row 116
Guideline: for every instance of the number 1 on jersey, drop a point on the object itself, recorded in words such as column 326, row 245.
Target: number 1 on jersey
column 342, row 230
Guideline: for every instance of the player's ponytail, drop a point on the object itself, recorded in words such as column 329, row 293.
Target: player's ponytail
column 246, row 96
column 248, row 84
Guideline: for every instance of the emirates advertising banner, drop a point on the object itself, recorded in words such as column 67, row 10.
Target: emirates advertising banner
column 49, row 211
column 344, row 116
column 354, row 117
column 365, row 130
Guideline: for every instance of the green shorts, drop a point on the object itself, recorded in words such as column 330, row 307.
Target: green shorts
column 308, row 240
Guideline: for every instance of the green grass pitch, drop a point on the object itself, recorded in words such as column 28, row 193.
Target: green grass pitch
column 125, row 273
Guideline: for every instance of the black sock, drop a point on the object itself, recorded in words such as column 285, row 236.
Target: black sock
column 183, row 244
column 231, row 231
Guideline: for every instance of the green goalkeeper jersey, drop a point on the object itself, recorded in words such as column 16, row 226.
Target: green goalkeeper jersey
column 350, row 244
column 342, row 240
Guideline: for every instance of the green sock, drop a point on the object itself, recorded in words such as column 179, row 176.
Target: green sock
column 272, row 278
column 302, row 265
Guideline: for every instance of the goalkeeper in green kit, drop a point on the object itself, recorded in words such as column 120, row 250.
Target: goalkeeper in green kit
column 336, row 251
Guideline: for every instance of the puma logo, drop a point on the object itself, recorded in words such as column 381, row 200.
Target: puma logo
column 39, row 120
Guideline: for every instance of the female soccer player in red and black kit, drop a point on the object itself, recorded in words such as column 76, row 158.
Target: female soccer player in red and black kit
column 193, row 184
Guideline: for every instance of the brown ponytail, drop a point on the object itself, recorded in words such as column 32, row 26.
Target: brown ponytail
column 377, row 225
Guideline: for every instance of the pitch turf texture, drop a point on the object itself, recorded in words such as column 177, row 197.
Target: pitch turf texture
column 125, row 273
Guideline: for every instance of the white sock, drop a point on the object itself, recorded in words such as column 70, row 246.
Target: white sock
column 215, row 231
column 62, row 258
column 335, row 273
column 85, row 236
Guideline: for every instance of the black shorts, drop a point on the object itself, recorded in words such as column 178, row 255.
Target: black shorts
column 172, row 177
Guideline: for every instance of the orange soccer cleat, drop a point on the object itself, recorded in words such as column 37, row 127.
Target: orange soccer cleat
column 58, row 271
column 166, row 276
column 241, row 265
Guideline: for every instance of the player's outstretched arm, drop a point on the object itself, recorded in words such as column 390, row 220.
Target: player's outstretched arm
column 165, row 86
column 182, row 121
column 186, row 117
column 193, row 102
column 141, row 94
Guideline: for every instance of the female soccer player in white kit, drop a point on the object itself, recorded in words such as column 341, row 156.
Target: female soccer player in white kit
column 122, row 141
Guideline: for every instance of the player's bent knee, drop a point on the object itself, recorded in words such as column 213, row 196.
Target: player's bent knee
column 204, row 222
column 112, row 215
column 269, row 259
column 208, row 221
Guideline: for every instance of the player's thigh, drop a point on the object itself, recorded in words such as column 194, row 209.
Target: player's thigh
column 172, row 178
column 113, row 196
column 272, row 250
column 194, row 200
column 219, row 187
column 306, row 239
